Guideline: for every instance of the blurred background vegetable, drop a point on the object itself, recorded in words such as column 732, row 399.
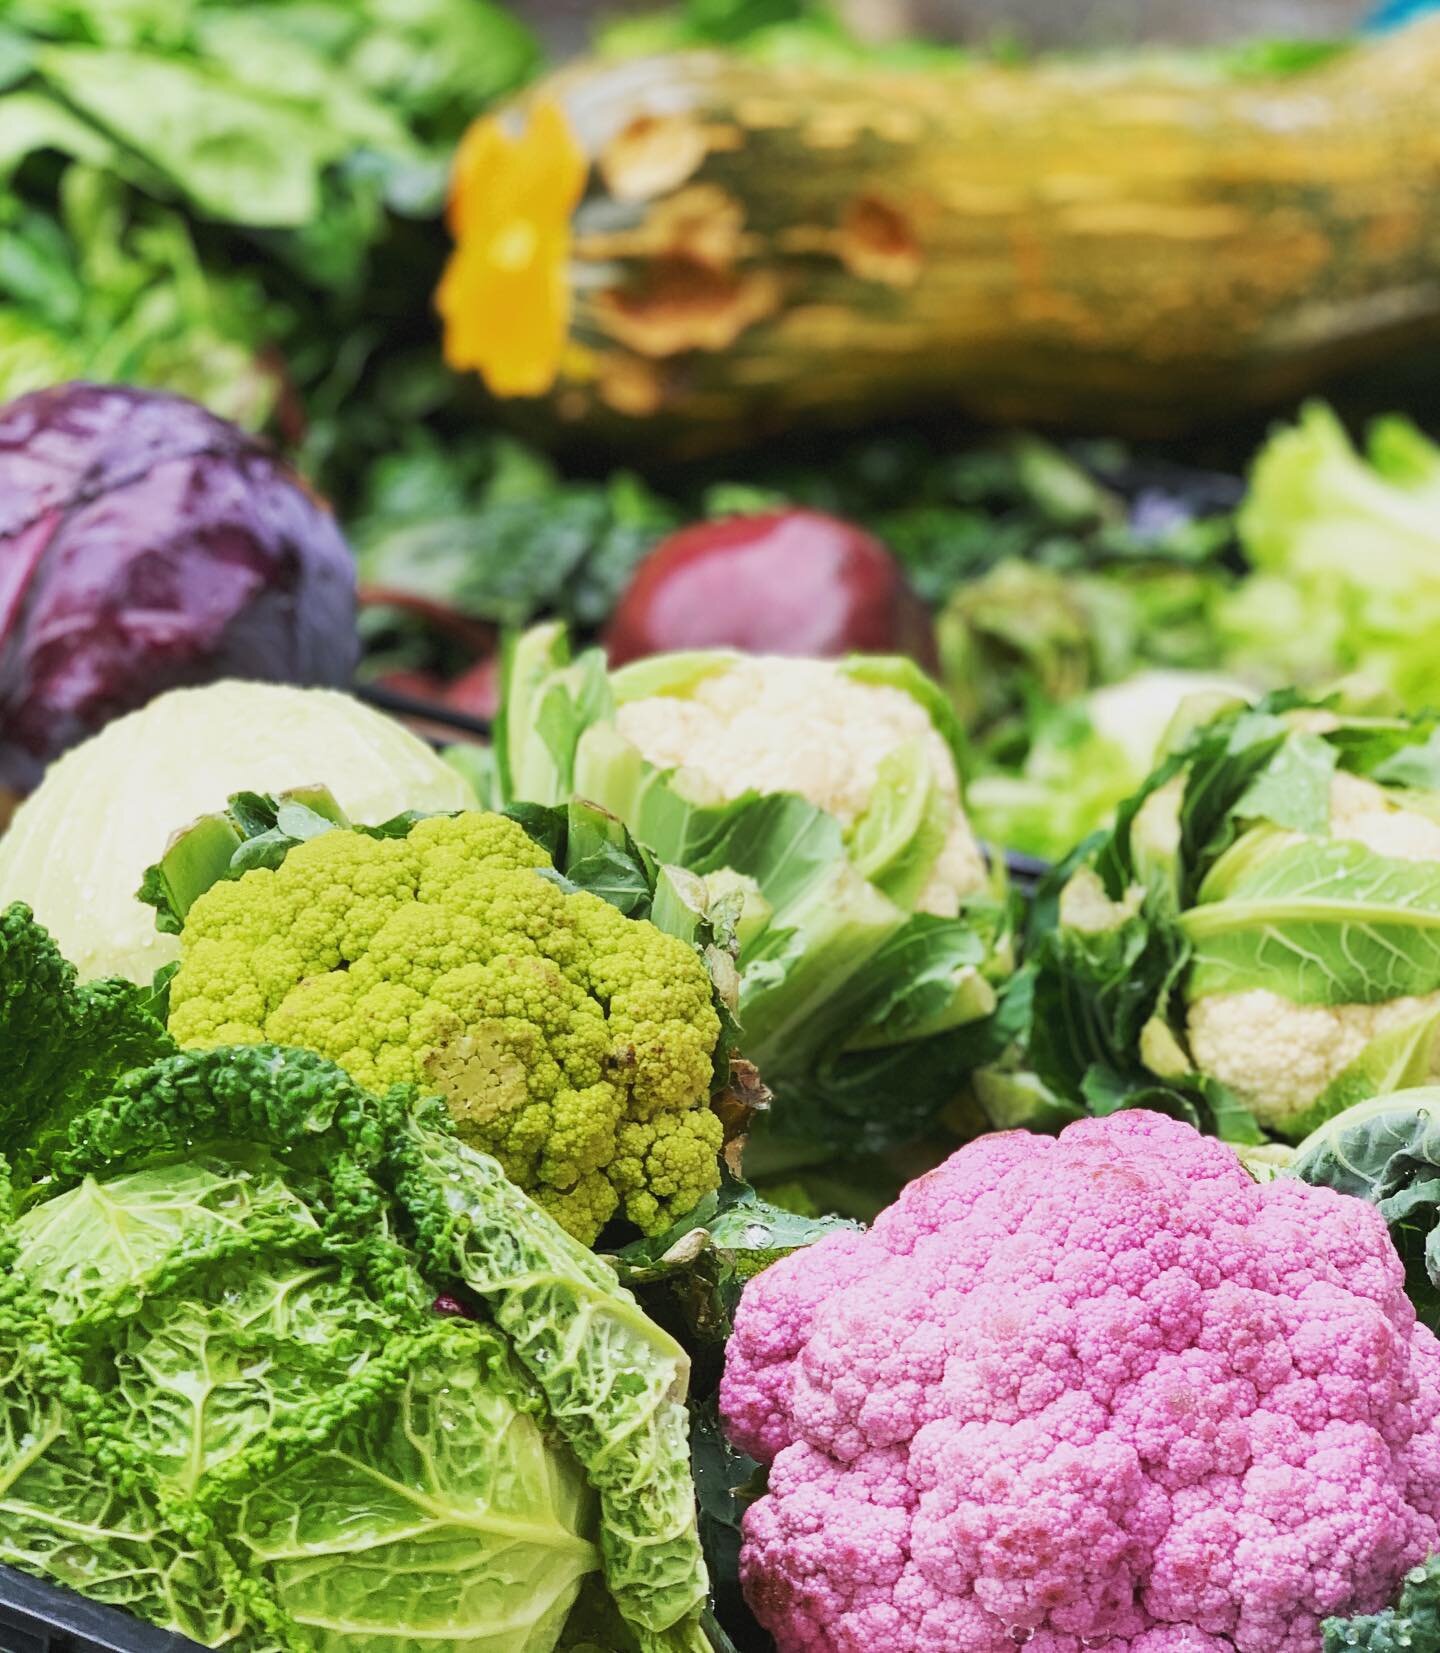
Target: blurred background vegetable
column 145, row 544
column 242, row 204
column 782, row 582
column 763, row 248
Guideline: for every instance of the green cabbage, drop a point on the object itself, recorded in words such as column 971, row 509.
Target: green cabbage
column 231, row 1404
column 78, row 848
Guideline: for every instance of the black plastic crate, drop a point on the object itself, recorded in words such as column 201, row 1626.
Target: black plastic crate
column 38, row 1617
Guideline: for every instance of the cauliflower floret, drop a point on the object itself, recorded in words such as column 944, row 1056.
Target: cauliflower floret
column 1096, row 1391
column 1362, row 811
column 771, row 724
column 571, row 1042
column 1278, row 1057
column 1086, row 908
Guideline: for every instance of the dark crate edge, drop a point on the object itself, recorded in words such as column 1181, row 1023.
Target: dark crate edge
column 39, row 1617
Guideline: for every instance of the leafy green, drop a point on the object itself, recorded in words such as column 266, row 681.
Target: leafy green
column 61, row 1044
column 252, row 831
column 774, row 31
column 1221, row 876
column 241, row 204
column 1386, row 1149
column 722, row 1478
column 1412, row 1625
column 243, row 1417
column 497, row 535
column 114, row 289
column 693, row 1276
column 1346, row 550
column 591, row 851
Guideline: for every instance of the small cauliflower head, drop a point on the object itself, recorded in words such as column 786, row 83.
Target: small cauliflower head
column 1280, row 1057
column 571, row 1042
column 1096, row 1391
column 773, row 724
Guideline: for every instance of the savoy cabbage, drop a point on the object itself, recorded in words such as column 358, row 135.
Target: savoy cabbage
column 284, row 1366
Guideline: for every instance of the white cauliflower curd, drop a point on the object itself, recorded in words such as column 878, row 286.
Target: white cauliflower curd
column 1277, row 1056
column 770, row 724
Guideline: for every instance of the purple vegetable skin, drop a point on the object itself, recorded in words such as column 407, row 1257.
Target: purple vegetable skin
column 146, row 544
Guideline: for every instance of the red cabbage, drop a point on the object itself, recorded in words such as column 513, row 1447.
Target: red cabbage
column 146, row 544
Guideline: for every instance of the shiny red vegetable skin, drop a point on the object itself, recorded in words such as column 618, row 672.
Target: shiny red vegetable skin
column 786, row 582
column 146, row 544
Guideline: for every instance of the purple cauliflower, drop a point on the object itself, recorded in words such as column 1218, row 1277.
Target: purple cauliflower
column 1099, row 1392
column 146, row 544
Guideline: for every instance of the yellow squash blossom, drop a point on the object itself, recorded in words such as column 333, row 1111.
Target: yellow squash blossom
column 505, row 294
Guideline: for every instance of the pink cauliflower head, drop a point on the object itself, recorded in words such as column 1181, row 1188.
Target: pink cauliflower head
column 1098, row 1392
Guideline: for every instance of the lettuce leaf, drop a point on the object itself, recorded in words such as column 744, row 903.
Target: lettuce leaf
column 1346, row 547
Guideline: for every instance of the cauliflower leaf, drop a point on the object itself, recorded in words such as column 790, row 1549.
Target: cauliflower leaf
column 1412, row 1625
column 1263, row 943
column 1386, row 1149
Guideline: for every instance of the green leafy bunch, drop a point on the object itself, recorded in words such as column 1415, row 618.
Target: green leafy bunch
column 233, row 202
column 231, row 1404
column 1254, row 943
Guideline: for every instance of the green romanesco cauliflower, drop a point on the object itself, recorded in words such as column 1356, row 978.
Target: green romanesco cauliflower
column 573, row 1043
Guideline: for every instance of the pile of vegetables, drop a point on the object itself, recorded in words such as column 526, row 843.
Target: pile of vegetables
column 1069, row 602
column 652, row 1180
column 1076, row 598
column 144, row 544
column 241, row 204
column 382, row 1271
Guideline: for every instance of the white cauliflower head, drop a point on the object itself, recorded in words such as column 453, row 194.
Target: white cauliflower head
column 1277, row 1056
column 773, row 724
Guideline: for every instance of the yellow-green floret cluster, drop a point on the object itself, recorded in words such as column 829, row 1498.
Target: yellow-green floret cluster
column 571, row 1042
